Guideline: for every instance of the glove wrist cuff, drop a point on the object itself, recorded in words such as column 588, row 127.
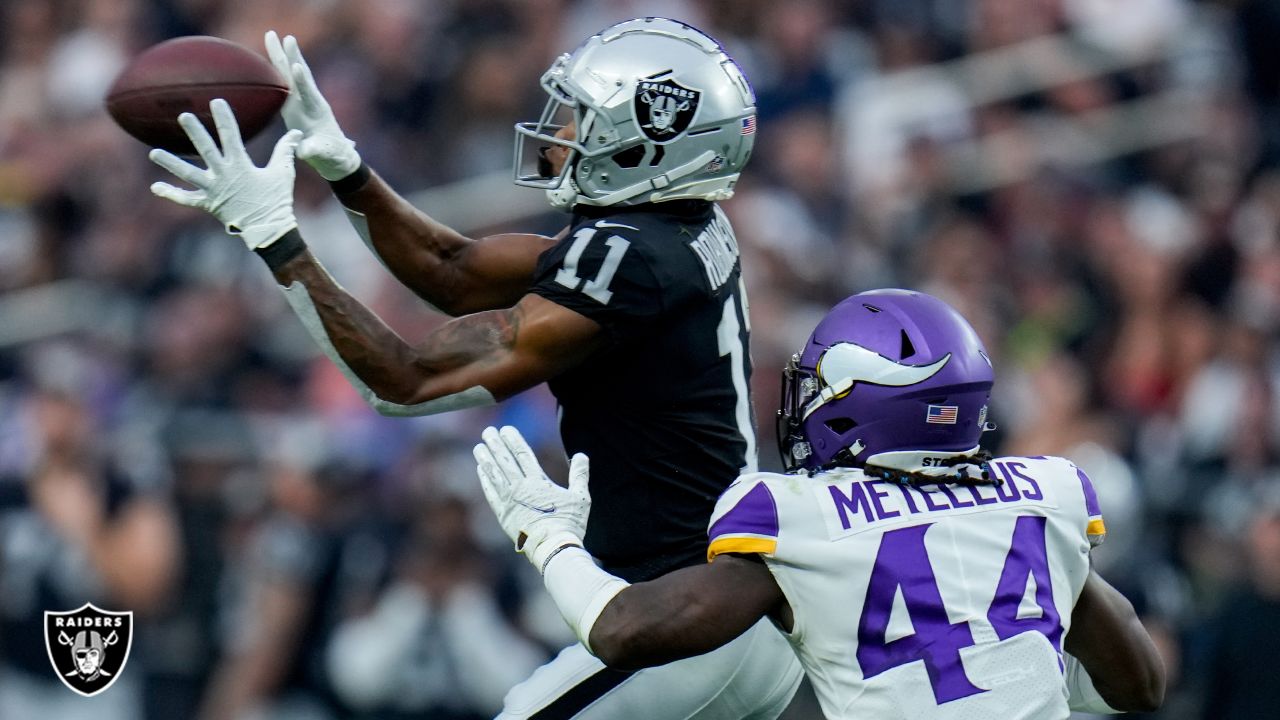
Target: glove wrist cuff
column 340, row 164
column 556, row 550
column 540, row 550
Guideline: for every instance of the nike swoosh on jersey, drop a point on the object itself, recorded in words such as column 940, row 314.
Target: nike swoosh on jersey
column 606, row 224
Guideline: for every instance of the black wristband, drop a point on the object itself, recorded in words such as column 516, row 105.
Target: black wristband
column 352, row 182
column 289, row 246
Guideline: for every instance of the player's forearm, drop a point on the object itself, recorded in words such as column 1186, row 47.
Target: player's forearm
column 626, row 626
column 379, row 356
column 1110, row 641
column 394, row 377
column 426, row 256
column 655, row 623
column 681, row 614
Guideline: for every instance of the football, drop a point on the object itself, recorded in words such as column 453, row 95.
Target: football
column 183, row 75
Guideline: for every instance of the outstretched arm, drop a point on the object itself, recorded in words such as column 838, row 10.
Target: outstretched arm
column 1108, row 639
column 471, row 360
column 684, row 613
column 454, row 273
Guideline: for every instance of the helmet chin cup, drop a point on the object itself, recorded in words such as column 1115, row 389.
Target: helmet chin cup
column 564, row 197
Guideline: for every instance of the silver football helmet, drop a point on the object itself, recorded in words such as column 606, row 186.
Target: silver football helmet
column 662, row 113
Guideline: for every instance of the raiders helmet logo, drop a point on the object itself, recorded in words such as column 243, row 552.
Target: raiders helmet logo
column 88, row 647
column 664, row 108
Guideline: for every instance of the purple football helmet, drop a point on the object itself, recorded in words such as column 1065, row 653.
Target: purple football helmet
column 886, row 371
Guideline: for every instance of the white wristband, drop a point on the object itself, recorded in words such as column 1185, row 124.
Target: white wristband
column 580, row 589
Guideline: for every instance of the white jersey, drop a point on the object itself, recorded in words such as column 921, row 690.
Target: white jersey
column 949, row 603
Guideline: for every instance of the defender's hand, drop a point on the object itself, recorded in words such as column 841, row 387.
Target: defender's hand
column 323, row 146
column 539, row 515
column 251, row 202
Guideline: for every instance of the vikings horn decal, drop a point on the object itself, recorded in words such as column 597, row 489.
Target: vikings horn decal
column 88, row 647
column 846, row 361
column 664, row 108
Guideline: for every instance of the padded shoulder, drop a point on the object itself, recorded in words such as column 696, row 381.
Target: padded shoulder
column 1074, row 487
column 745, row 519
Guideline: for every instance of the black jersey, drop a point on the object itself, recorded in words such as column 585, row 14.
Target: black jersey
column 663, row 411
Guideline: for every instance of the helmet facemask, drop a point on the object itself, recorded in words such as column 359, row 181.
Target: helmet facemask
column 533, row 138
column 800, row 390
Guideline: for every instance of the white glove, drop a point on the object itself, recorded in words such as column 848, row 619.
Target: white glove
column 323, row 146
column 251, row 202
column 537, row 514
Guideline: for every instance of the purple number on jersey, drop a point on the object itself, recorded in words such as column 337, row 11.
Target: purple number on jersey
column 903, row 563
column 1027, row 556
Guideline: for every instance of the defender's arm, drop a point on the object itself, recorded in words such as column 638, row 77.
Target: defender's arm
column 472, row 360
column 1109, row 640
column 456, row 274
column 684, row 613
column 678, row 615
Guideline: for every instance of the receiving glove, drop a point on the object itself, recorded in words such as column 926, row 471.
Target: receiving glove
column 254, row 203
column 540, row 516
column 324, row 146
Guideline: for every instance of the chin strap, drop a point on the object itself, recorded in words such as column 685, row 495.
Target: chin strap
column 654, row 184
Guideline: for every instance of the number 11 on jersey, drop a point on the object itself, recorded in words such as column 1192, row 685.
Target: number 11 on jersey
column 729, row 337
column 596, row 288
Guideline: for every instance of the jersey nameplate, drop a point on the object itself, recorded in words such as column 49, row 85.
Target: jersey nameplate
column 856, row 506
column 717, row 248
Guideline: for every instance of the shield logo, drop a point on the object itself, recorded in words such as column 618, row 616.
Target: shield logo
column 88, row 647
column 664, row 108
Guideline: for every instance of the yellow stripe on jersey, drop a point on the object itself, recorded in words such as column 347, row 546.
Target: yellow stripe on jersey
column 1096, row 530
column 745, row 545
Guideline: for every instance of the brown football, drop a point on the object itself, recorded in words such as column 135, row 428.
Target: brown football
column 183, row 75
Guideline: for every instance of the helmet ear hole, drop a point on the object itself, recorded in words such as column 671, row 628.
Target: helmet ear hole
column 907, row 349
column 631, row 157
column 840, row 425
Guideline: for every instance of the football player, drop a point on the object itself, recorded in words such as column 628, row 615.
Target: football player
column 914, row 575
column 635, row 315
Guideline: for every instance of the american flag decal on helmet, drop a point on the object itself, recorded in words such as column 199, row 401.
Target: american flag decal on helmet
column 749, row 125
column 942, row 414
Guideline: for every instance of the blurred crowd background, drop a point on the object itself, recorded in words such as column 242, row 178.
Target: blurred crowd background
column 1093, row 183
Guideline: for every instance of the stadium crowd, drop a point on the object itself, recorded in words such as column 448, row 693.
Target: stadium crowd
column 1095, row 184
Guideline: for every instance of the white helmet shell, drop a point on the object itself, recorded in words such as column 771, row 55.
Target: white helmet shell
column 662, row 113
